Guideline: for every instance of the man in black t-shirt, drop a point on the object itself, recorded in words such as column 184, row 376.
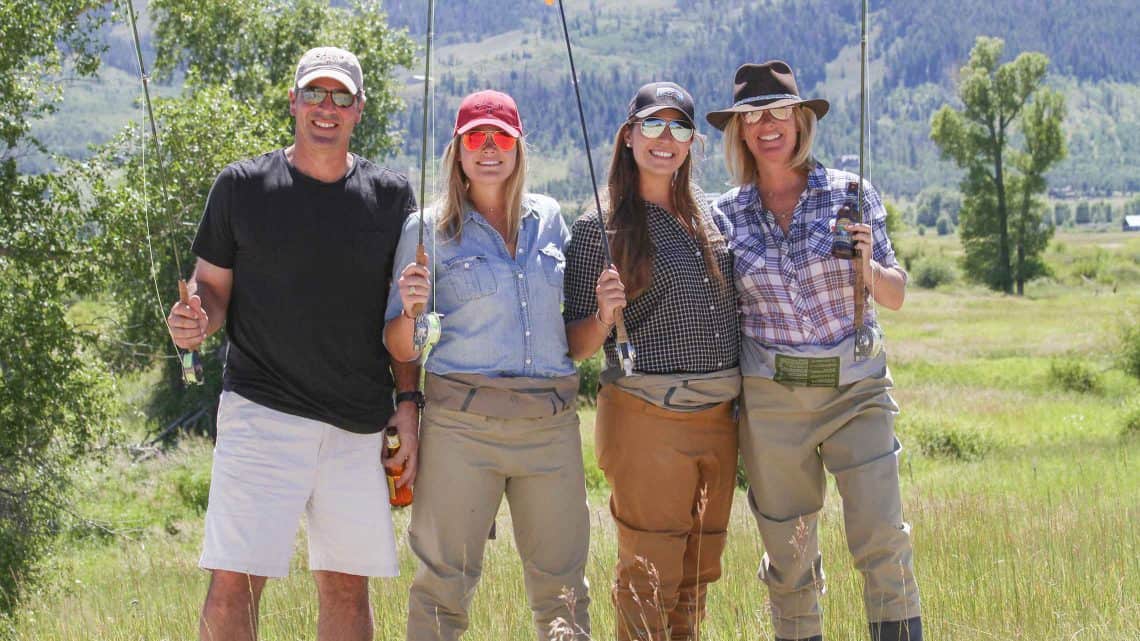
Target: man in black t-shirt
column 295, row 254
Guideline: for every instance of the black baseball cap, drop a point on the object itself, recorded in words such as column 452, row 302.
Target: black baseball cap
column 659, row 96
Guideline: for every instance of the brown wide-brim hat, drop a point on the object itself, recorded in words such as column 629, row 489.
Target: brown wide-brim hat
column 764, row 86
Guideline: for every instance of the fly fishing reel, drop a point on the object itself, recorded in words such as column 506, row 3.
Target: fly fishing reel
column 428, row 329
column 869, row 341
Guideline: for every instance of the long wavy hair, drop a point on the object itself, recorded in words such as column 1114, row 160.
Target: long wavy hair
column 452, row 202
column 628, row 217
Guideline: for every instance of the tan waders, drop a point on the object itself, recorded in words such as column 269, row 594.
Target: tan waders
column 467, row 464
column 788, row 435
column 673, row 475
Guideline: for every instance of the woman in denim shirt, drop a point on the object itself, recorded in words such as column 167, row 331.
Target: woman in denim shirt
column 500, row 415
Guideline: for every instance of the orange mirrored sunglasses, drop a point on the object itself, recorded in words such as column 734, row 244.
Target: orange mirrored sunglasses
column 475, row 140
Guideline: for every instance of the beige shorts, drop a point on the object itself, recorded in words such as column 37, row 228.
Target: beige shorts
column 269, row 467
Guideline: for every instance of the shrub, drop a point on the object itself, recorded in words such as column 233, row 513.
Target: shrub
column 944, row 226
column 595, row 477
column 1074, row 376
column 932, row 271
column 1130, row 349
column 589, row 375
column 193, row 487
column 1130, row 424
column 939, row 439
column 953, row 443
column 741, row 474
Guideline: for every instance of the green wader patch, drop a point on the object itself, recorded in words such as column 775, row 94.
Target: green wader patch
column 807, row 372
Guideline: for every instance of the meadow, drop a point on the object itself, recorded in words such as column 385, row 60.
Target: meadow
column 1020, row 474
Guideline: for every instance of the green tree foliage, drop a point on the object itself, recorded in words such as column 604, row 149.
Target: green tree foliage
column 55, row 400
column 151, row 211
column 1132, row 207
column 1002, row 227
column 935, row 201
column 258, row 66
column 38, row 36
column 1084, row 213
column 1085, row 37
column 1062, row 214
column 235, row 106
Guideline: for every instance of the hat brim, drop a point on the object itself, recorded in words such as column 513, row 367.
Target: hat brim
column 468, row 126
column 331, row 74
column 652, row 109
column 719, row 119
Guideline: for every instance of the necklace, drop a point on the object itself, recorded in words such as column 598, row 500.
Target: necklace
column 686, row 224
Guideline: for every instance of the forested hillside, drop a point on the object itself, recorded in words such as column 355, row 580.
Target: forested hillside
column 916, row 48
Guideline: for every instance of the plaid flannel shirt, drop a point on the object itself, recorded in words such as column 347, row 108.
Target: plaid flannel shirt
column 792, row 291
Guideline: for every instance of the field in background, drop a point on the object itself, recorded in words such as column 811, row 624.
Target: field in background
column 1019, row 480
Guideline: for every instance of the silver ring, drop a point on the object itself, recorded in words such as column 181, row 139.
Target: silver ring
column 413, row 290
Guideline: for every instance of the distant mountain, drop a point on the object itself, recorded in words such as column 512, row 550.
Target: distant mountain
column 916, row 48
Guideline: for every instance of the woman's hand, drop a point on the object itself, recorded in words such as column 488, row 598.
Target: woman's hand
column 864, row 245
column 886, row 284
column 415, row 287
column 610, row 293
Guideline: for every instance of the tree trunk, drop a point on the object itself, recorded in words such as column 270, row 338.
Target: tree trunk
column 1004, row 275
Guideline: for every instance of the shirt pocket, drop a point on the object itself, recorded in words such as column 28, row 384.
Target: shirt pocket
column 820, row 237
column 748, row 253
column 469, row 278
column 553, row 264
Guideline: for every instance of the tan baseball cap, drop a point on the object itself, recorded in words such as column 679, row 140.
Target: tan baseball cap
column 330, row 62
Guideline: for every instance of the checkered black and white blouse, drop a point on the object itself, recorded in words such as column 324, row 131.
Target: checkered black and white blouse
column 792, row 291
column 686, row 321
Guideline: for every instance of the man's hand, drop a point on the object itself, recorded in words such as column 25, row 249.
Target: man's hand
column 407, row 422
column 188, row 323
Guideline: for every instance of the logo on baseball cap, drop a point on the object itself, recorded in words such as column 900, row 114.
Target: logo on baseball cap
column 658, row 96
column 488, row 108
column 330, row 62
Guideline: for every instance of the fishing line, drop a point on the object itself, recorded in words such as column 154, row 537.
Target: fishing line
column 626, row 352
column 191, row 361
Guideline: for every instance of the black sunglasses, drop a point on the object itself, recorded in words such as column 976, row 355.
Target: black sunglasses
column 681, row 130
column 316, row 95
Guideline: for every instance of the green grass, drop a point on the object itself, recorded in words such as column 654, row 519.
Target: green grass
column 1021, row 490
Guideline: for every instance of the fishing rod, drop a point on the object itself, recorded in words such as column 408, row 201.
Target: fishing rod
column 626, row 352
column 190, row 360
column 868, row 340
column 428, row 326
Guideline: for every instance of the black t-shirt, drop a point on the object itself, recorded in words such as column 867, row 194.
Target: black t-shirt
column 312, row 263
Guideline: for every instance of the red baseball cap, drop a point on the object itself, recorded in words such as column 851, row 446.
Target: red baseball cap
column 488, row 108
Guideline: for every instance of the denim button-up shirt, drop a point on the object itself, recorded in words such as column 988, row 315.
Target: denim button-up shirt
column 501, row 314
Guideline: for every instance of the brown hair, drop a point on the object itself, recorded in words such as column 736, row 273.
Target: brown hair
column 628, row 217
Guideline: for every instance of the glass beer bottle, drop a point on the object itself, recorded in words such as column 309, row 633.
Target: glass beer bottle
column 397, row 496
column 842, row 245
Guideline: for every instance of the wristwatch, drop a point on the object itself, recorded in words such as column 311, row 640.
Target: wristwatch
column 416, row 397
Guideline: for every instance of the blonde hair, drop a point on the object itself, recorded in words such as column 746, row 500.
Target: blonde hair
column 738, row 159
column 452, row 203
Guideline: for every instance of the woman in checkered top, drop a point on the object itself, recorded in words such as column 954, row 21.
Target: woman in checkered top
column 808, row 403
column 666, row 436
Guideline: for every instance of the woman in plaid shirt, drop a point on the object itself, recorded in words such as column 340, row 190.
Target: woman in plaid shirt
column 665, row 436
column 807, row 403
